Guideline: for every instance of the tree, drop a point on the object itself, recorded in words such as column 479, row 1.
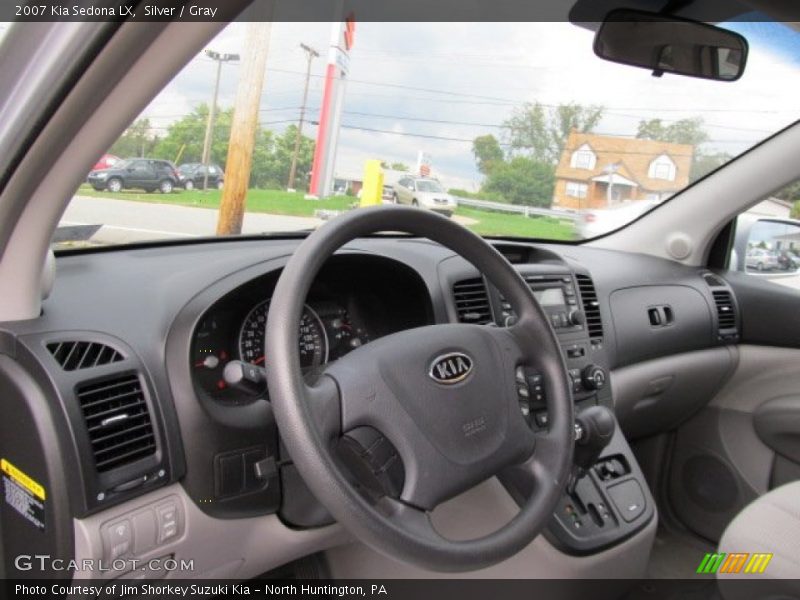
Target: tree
column 272, row 158
column 137, row 140
column 790, row 193
column 487, row 152
column 272, row 153
column 542, row 133
column 703, row 164
column 522, row 180
column 395, row 166
column 184, row 140
column 685, row 131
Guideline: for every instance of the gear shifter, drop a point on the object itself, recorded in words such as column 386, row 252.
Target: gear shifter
column 594, row 428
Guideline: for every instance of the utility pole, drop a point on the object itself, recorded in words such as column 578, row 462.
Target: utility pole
column 311, row 54
column 212, row 110
column 243, row 129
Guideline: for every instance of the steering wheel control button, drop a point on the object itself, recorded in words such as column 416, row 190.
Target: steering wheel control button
column 118, row 539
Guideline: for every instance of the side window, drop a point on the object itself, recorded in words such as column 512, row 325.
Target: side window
column 767, row 242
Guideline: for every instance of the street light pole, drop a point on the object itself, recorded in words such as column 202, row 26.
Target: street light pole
column 212, row 110
column 311, row 54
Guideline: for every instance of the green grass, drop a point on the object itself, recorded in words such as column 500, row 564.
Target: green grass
column 496, row 223
column 276, row 202
column 279, row 202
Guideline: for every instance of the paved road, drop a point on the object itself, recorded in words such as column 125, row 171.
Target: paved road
column 129, row 221
column 126, row 221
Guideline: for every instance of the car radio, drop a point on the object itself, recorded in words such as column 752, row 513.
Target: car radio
column 557, row 296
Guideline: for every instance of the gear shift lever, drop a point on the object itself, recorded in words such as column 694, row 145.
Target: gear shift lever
column 594, row 428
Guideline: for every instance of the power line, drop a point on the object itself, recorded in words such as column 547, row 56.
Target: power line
column 467, row 140
column 505, row 126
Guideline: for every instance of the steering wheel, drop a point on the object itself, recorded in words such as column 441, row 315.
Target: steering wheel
column 444, row 395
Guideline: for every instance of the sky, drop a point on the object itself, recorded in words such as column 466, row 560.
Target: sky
column 455, row 81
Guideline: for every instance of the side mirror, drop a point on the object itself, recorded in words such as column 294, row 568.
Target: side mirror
column 666, row 44
column 768, row 247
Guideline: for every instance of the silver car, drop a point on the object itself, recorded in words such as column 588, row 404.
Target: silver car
column 761, row 260
column 425, row 193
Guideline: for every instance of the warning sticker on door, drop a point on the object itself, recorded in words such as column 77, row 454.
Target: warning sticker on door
column 23, row 494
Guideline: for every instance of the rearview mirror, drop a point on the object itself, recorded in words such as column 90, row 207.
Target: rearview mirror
column 667, row 44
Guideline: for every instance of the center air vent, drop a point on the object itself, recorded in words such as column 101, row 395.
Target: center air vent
column 117, row 420
column 82, row 355
column 472, row 301
column 591, row 308
column 726, row 311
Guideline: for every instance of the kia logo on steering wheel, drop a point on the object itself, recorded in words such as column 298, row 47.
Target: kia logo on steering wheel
column 450, row 368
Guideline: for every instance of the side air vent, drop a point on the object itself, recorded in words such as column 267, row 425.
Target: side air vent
column 726, row 311
column 591, row 308
column 82, row 355
column 713, row 280
column 472, row 301
column 117, row 420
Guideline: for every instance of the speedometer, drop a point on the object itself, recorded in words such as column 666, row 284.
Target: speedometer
column 312, row 340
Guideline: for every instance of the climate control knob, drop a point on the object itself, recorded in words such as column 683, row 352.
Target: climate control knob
column 593, row 377
column 576, row 317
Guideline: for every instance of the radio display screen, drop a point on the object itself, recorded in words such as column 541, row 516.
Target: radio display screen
column 550, row 296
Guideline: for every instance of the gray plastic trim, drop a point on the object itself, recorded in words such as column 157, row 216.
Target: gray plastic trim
column 486, row 508
column 220, row 548
column 655, row 396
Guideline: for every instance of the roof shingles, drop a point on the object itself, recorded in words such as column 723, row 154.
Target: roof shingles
column 634, row 157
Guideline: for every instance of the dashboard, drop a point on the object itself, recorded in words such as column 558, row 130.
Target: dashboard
column 161, row 324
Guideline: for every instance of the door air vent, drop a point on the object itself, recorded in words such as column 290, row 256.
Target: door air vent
column 591, row 307
column 726, row 311
column 472, row 301
column 117, row 421
column 83, row 355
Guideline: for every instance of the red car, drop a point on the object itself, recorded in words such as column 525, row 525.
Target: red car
column 106, row 162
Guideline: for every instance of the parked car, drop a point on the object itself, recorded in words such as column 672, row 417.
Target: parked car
column 106, row 162
column 761, row 260
column 140, row 173
column 387, row 195
column 192, row 175
column 597, row 221
column 425, row 193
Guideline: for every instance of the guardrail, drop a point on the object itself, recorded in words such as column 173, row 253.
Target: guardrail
column 517, row 209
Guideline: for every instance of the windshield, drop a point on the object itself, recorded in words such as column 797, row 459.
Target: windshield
column 429, row 186
column 527, row 130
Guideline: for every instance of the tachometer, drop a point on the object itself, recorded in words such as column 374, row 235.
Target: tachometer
column 312, row 340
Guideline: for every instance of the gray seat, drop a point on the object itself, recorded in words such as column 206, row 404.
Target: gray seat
column 770, row 524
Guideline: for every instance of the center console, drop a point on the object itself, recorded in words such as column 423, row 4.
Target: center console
column 608, row 501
